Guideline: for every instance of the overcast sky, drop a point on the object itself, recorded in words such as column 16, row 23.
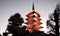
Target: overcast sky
column 10, row 7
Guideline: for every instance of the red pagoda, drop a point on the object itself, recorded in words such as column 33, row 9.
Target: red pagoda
column 33, row 21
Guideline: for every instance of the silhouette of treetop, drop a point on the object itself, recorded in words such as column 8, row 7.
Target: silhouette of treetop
column 16, row 19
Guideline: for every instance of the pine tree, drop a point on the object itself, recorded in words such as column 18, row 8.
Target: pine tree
column 33, row 21
column 56, row 16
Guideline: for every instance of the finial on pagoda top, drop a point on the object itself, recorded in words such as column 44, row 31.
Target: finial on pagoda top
column 33, row 6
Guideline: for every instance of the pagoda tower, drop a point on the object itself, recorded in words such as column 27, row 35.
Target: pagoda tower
column 33, row 21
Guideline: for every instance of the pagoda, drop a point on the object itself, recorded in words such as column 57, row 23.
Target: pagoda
column 33, row 21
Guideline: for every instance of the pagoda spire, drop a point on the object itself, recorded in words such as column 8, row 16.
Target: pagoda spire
column 33, row 21
column 33, row 7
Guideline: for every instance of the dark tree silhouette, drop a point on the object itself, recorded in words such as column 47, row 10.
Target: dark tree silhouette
column 15, row 26
column 56, row 16
column 37, row 33
column 55, row 19
column 51, row 24
column 16, row 19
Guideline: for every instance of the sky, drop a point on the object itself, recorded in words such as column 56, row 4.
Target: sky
column 10, row 7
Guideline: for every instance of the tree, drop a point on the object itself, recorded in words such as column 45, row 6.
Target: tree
column 55, row 19
column 56, row 16
column 15, row 26
column 16, row 19
column 51, row 24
